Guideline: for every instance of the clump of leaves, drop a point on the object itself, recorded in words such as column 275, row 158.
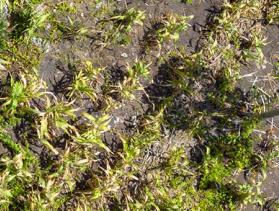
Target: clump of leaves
column 273, row 12
column 166, row 28
column 16, row 176
column 71, row 29
column 18, row 96
column 170, row 26
column 25, row 20
column 9, row 142
column 91, row 132
column 122, row 25
column 130, row 81
column 53, row 119
column 84, row 82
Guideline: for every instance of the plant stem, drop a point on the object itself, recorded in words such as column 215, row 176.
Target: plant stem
column 269, row 114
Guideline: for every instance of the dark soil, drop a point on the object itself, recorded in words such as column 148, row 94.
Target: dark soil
column 57, row 71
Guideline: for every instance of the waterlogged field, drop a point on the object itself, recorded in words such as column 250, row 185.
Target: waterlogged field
column 139, row 105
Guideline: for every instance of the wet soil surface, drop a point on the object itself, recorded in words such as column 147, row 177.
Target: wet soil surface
column 56, row 71
column 126, row 118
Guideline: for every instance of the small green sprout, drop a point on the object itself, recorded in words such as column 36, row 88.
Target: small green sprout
column 84, row 82
column 94, row 130
column 172, row 26
column 123, row 25
column 132, row 83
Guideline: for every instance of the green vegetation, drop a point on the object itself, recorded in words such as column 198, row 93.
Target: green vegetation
column 72, row 140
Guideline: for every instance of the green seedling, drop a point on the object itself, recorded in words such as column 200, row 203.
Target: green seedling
column 26, row 21
column 123, row 24
column 19, row 96
column 171, row 27
column 53, row 119
column 167, row 28
column 255, row 53
column 84, row 81
column 93, row 131
column 66, row 8
column 71, row 29
column 132, row 83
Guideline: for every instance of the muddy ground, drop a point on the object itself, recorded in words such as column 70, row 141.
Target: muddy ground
column 126, row 117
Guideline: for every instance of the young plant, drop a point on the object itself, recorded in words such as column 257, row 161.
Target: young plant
column 9, row 142
column 84, row 82
column 71, row 30
column 172, row 26
column 26, row 20
column 93, row 130
column 122, row 25
column 17, row 174
column 53, row 119
column 167, row 28
column 19, row 97
column 132, row 82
